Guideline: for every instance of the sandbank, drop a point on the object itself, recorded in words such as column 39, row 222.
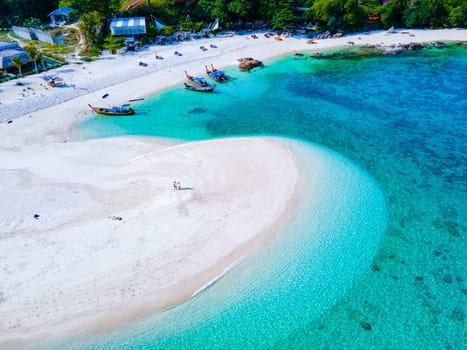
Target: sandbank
column 93, row 230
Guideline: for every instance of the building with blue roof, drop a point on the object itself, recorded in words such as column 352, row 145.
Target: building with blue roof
column 61, row 16
column 8, row 51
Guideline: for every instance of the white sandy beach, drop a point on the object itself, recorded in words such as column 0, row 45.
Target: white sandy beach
column 111, row 236
column 113, row 233
column 95, row 79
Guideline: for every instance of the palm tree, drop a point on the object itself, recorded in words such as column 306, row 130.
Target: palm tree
column 17, row 62
column 34, row 53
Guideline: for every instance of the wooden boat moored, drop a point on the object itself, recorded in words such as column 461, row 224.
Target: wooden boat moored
column 215, row 74
column 205, row 88
column 197, row 81
column 113, row 110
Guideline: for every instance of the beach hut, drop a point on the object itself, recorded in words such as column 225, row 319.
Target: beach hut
column 128, row 26
column 8, row 51
column 61, row 16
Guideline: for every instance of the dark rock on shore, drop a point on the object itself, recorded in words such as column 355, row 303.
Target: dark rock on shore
column 248, row 63
column 439, row 45
column 414, row 46
column 364, row 51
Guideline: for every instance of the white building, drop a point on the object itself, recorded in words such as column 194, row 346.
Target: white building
column 128, row 26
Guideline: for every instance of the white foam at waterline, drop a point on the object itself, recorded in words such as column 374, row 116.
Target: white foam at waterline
column 219, row 276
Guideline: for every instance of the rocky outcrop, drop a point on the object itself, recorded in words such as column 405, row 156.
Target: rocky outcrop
column 355, row 52
column 439, row 45
column 414, row 46
column 248, row 63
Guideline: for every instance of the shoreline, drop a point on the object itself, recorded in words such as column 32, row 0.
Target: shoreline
column 167, row 245
column 94, row 79
column 84, row 187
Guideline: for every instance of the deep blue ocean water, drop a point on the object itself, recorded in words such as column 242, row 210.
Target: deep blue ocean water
column 403, row 121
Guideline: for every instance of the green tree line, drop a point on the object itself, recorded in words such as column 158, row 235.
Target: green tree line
column 332, row 15
column 347, row 15
column 351, row 15
column 16, row 12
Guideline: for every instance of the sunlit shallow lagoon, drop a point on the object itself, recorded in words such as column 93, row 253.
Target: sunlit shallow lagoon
column 400, row 119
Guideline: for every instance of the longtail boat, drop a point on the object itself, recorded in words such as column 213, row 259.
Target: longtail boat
column 205, row 88
column 113, row 110
column 215, row 74
column 196, row 81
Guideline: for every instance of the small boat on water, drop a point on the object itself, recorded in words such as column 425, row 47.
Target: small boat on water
column 113, row 110
column 199, row 88
column 196, row 81
column 215, row 74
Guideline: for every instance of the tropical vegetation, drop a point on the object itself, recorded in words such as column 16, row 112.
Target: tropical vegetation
column 34, row 53
column 17, row 62
column 326, row 15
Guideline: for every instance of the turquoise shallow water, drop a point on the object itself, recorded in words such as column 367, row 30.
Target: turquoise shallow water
column 310, row 266
column 403, row 119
